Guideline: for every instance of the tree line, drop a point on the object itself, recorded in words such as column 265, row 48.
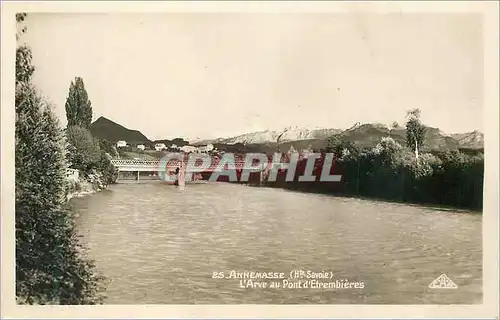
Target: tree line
column 400, row 173
column 52, row 266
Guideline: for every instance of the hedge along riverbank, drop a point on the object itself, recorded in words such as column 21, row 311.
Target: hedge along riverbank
column 392, row 172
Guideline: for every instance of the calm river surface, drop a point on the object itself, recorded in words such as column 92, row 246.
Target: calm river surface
column 160, row 245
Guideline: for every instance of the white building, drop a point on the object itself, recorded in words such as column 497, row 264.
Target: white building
column 121, row 144
column 141, row 147
column 160, row 146
column 188, row 149
column 208, row 148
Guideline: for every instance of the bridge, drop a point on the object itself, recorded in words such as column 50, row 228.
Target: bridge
column 155, row 166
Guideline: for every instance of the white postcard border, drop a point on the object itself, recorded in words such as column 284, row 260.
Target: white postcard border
column 489, row 308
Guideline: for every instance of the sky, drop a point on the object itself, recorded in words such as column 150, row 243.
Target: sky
column 206, row 75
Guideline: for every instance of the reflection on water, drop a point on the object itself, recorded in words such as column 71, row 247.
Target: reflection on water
column 160, row 245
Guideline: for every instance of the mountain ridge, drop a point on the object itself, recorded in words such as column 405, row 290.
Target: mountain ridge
column 366, row 134
column 104, row 128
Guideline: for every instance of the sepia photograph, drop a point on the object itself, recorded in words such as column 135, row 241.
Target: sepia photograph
column 226, row 157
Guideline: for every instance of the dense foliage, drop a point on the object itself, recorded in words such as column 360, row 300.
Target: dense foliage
column 83, row 149
column 51, row 266
column 391, row 171
column 108, row 148
column 86, row 155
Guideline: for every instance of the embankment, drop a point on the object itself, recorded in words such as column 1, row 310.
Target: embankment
column 79, row 185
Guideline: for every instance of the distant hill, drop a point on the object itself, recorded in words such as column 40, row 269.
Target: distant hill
column 368, row 135
column 365, row 135
column 470, row 140
column 104, row 128
column 287, row 134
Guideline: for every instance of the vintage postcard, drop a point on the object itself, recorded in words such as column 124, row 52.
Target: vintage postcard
column 250, row 159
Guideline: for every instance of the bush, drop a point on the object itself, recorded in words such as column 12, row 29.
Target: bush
column 83, row 150
column 106, row 168
column 85, row 154
column 108, row 148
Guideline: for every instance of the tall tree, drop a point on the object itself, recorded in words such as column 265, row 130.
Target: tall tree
column 415, row 131
column 78, row 105
column 51, row 266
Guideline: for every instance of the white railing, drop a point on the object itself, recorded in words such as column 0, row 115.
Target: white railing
column 131, row 162
column 174, row 162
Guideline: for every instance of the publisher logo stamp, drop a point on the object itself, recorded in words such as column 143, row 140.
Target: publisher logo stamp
column 443, row 282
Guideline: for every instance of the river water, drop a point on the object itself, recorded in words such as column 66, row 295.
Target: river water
column 158, row 244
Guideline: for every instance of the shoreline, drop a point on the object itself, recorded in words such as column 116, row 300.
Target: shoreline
column 435, row 206
column 80, row 187
column 428, row 205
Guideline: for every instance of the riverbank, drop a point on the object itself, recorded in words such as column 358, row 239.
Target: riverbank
column 79, row 186
column 433, row 191
column 340, row 191
column 427, row 205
